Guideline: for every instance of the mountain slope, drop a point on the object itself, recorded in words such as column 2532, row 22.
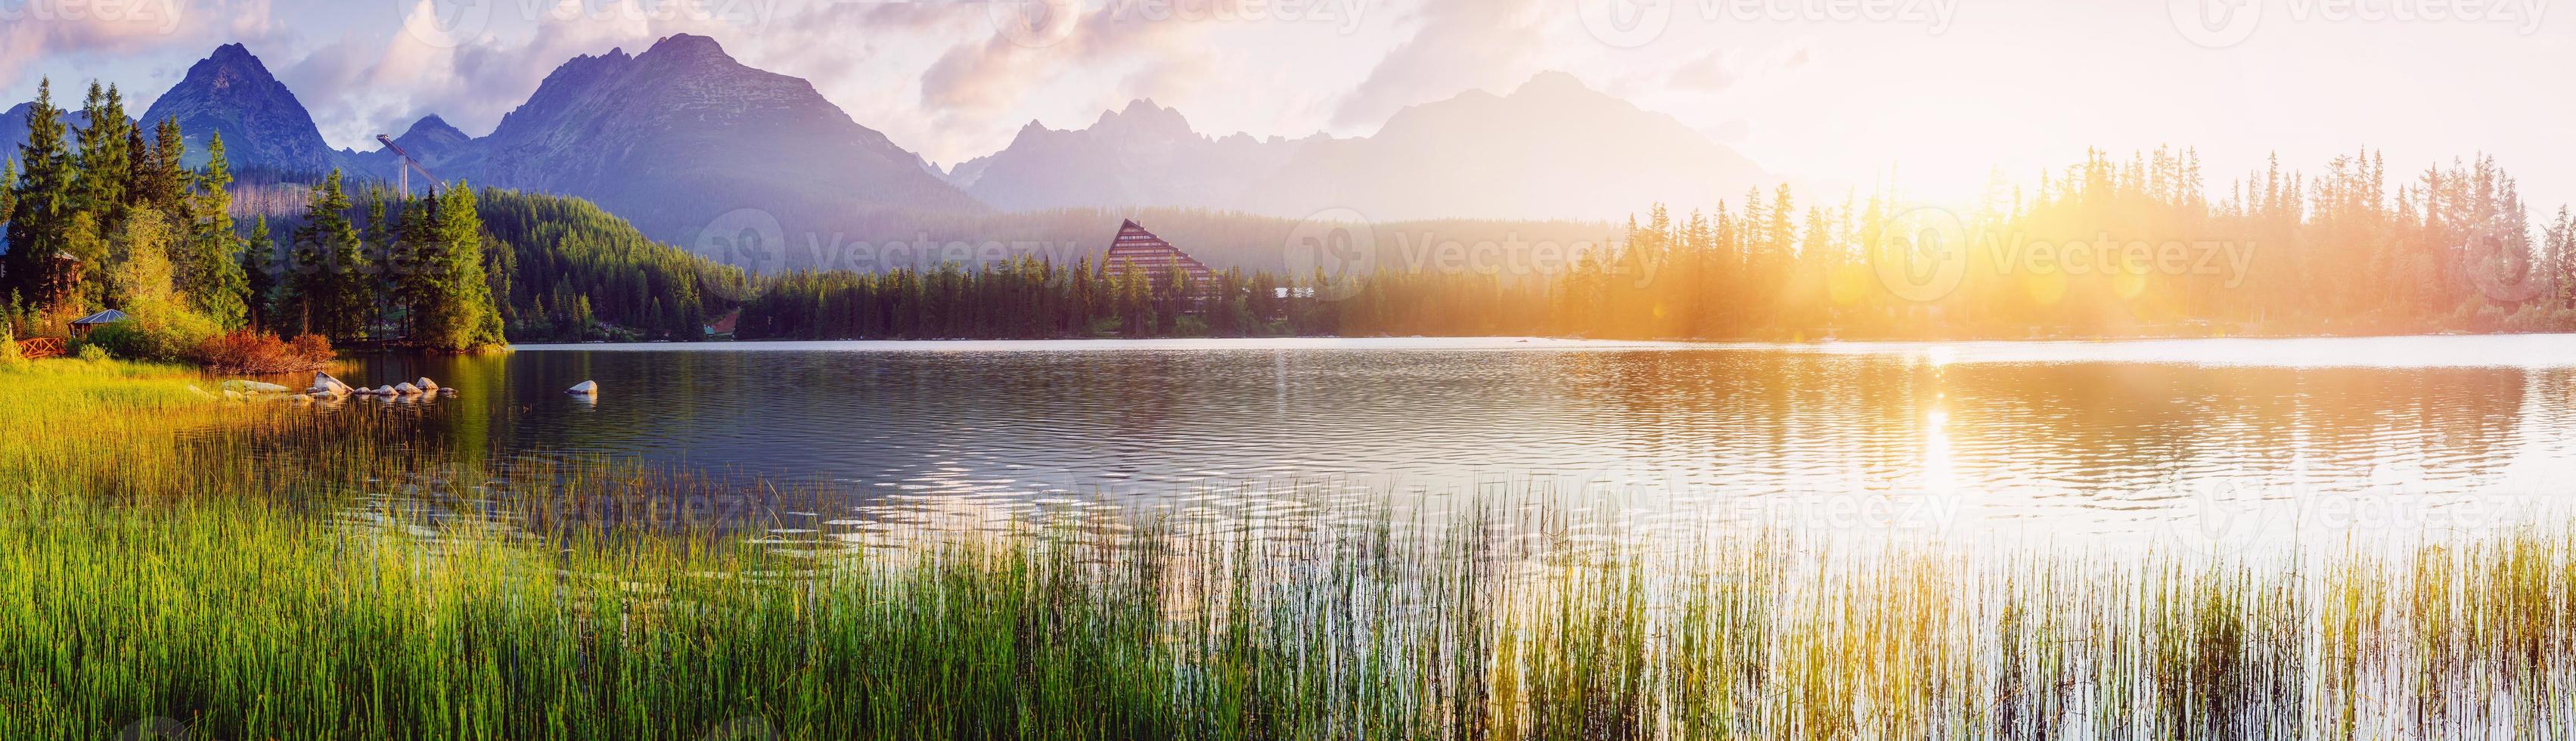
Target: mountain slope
column 13, row 126
column 681, row 134
column 262, row 124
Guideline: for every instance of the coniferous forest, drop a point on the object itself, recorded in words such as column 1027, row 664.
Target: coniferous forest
column 106, row 216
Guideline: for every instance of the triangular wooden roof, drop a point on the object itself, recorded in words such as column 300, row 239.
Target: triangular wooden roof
column 1148, row 254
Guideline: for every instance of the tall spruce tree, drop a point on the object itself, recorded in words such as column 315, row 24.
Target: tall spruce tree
column 418, row 283
column 41, row 205
column 214, row 277
column 259, row 275
column 330, row 287
column 105, row 166
column 462, row 317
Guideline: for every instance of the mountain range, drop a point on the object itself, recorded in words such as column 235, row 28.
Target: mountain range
column 682, row 134
column 1551, row 149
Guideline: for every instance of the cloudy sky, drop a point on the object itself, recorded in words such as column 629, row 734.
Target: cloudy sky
column 1931, row 95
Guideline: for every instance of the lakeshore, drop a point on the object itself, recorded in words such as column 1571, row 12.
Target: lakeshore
column 204, row 585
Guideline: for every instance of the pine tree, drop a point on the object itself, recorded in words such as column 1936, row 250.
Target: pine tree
column 258, row 266
column 331, row 288
column 159, row 180
column 8, row 184
column 105, row 165
column 42, row 203
column 457, row 311
column 214, row 277
column 415, row 282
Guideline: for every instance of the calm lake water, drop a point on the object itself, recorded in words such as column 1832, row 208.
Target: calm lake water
column 2064, row 439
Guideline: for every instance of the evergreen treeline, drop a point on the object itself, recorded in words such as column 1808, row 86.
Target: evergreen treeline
column 556, row 268
column 576, row 272
column 2105, row 248
column 1034, row 298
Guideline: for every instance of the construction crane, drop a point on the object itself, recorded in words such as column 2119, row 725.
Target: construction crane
column 402, row 175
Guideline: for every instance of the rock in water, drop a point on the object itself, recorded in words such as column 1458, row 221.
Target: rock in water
column 406, row 389
column 384, row 391
column 585, row 388
column 333, row 385
column 425, row 384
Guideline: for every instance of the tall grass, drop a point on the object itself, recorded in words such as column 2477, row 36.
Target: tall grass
column 267, row 571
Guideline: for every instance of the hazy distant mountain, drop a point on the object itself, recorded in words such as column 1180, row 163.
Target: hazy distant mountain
column 1551, row 149
column 262, row 123
column 1146, row 155
column 13, row 127
column 682, row 133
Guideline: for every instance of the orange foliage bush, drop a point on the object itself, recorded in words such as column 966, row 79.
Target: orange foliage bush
column 254, row 352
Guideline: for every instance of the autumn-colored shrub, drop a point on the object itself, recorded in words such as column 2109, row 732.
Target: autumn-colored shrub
column 254, row 352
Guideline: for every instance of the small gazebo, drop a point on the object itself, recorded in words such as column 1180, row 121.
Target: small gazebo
column 83, row 326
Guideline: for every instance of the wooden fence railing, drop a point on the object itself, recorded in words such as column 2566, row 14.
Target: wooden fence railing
column 41, row 347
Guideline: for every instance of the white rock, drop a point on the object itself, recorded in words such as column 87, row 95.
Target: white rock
column 383, row 391
column 585, row 388
column 406, row 389
column 425, row 384
column 231, row 395
column 325, row 381
column 253, row 387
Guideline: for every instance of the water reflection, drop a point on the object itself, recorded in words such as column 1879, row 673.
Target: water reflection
column 2083, row 437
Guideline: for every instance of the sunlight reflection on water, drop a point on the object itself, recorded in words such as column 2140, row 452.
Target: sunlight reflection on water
column 2219, row 438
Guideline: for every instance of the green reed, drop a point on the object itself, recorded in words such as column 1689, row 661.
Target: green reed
column 267, row 570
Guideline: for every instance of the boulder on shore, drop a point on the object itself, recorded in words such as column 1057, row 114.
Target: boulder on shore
column 325, row 385
column 585, row 388
column 253, row 387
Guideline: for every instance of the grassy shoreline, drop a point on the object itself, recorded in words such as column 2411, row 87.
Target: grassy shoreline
column 242, row 571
